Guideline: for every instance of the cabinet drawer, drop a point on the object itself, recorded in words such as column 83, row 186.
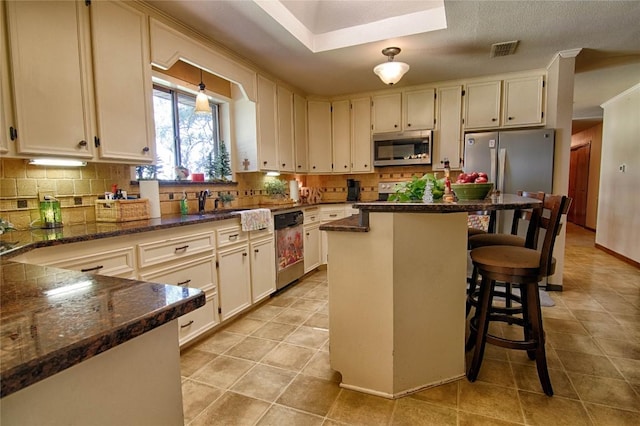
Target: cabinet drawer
column 311, row 215
column 174, row 248
column 231, row 235
column 118, row 263
column 200, row 273
column 332, row 214
column 197, row 322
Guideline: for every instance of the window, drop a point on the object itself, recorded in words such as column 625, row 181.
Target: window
column 182, row 137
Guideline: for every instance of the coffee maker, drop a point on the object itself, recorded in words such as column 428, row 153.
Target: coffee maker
column 353, row 190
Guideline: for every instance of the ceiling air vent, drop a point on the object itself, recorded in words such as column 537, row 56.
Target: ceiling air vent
column 503, row 49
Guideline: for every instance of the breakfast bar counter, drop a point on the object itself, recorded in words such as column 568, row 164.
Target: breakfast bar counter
column 397, row 284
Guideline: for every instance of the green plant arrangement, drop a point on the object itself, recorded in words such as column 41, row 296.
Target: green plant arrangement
column 147, row 171
column 222, row 164
column 413, row 190
column 226, row 197
column 5, row 226
column 275, row 188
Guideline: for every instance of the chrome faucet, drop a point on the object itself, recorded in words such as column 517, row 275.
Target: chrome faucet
column 202, row 198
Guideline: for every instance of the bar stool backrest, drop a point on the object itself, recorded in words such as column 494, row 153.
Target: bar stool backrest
column 554, row 207
column 533, row 229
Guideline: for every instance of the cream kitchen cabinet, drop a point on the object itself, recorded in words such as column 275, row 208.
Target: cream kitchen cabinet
column 523, row 101
column 51, row 74
column 448, row 131
column 418, row 108
column 341, row 136
column 386, row 113
column 300, row 133
column 328, row 214
column 263, row 268
column 319, row 126
column 361, row 157
column 286, row 156
column 198, row 273
column 267, row 124
column 7, row 124
column 482, row 105
column 234, row 276
column 54, row 78
column 122, row 80
column 312, row 249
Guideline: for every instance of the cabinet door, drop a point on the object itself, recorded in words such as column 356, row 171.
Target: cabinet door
column 418, row 109
column 300, row 133
column 386, row 113
column 267, row 137
column 234, row 280
column 50, row 57
column 361, row 135
column 285, row 130
column 341, row 136
column 311, row 247
column 523, row 100
column 122, row 80
column 199, row 321
column 319, row 136
column 448, row 131
column 6, row 106
column 263, row 269
column 482, row 105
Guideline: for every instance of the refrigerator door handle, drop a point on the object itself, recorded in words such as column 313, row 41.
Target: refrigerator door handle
column 493, row 175
column 502, row 156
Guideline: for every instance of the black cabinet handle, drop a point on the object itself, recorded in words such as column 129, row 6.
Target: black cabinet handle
column 183, row 282
column 494, row 119
column 408, row 124
column 13, row 133
column 510, row 118
column 82, row 143
column 256, row 251
column 181, row 248
column 145, row 149
column 244, row 254
column 284, row 164
column 187, row 324
column 95, row 268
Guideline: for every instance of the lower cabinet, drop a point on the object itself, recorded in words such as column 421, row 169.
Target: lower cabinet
column 263, row 269
column 311, row 247
column 234, row 274
column 199, row 321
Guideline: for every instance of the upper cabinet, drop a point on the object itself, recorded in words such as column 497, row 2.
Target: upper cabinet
column 361, row 135
column 341, row 136
column 286, row 157
column 54, row 78
column 482, row 105
column 418, row 109
column 523, row 101
column 447, row 136
column 122, row 80
column 513, row 102
column 300, row 133
column 319, row 136
column 53, row 93
column 387, row 113
column 267, row 130
column 6, row 108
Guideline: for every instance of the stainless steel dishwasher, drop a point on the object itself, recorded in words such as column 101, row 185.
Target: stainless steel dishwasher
column 289, row 247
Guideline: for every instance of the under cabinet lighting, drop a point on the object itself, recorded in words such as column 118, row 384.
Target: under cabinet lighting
column 60, row 162
column 273, row 173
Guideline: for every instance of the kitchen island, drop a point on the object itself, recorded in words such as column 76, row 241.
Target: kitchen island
column 89, row 349
column 397, row 284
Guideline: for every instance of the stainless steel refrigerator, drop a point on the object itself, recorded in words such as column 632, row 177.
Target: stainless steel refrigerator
column 514, row 160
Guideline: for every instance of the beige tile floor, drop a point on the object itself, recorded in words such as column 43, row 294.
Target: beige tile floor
column 271, row 367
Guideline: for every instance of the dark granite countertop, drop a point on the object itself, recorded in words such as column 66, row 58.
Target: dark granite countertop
column 348, row 224
column 52, row 319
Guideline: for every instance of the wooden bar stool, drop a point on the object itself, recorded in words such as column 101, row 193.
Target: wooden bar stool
column 526, row 267
column 512, row 239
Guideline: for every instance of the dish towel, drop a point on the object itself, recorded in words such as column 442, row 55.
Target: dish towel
column 255, row 219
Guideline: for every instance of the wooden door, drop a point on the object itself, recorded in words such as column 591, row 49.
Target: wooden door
column 579, row 183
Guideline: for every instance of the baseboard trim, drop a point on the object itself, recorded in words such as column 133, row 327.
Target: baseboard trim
column 618, row 256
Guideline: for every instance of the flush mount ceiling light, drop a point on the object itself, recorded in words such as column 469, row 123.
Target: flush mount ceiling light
column 59, row 162
column 202, row 101
column 391, row 72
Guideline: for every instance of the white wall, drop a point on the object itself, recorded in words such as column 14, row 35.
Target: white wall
column 618, row 226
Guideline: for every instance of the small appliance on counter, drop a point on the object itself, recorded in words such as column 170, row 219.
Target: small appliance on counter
column 353, row 190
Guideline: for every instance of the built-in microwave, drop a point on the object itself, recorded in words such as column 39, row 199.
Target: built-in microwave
column 402, row 148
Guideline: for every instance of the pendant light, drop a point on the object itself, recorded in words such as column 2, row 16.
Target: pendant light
column 202, row 101
column 391, row 72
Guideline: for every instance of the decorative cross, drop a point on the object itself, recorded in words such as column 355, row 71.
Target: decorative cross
column 246, row 163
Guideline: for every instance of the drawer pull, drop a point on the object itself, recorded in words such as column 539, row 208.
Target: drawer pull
column 333, row 215
column 256, row 251
column 187, row 324
column 233, row 237
column 184, row 282
column 244, row 254
column 95, row 268
column 182, row 248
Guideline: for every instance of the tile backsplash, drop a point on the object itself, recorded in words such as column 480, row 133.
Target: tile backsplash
column 78, row 188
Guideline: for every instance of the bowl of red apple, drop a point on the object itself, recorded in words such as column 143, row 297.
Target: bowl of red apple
column 472, row 186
